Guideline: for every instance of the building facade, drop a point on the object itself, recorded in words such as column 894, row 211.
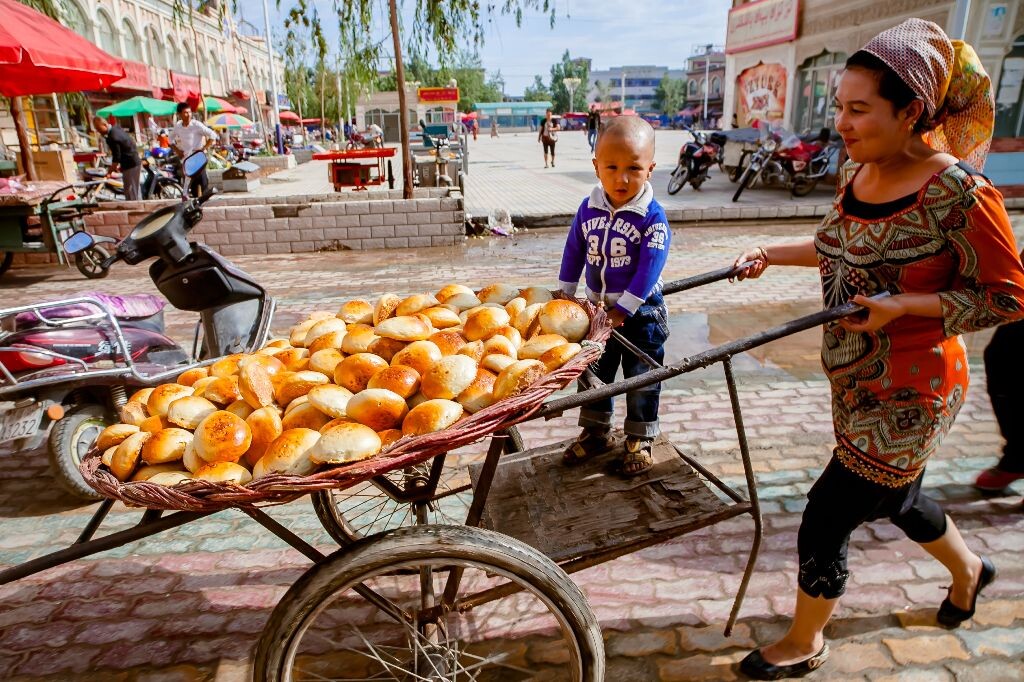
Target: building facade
column 705, row 75
column 631, row 87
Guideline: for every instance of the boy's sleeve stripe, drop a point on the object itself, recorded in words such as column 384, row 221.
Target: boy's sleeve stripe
column 568, row 287
column 629, row 302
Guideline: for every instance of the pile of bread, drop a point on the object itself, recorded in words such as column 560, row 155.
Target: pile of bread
column 344, row 385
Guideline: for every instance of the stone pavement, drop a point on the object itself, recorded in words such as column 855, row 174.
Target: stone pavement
column 189, row 604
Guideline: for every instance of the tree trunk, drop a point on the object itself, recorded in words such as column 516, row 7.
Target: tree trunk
column 403, row 114
column 25, row 149
column 323, row 103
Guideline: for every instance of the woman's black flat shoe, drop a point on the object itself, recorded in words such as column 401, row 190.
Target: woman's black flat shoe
column 952, row 615
column 756, row 667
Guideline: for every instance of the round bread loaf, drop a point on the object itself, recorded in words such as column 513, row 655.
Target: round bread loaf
column 496, row 363
column 295, row 403
column 449, row 290
column 497, row 293
column 385, row 307
column 108, row 456
column 166, row 445
column 462, row 301
column 385, row 348
column 265, row 426
column 188, row 377
column 499, row 345
column 145, row 473
column 334, row 422
column 223, row 472
column 480, row 393
column 517, row 377
column 473, row 351
column 239, row 408
column 170, row 479
column 142, row 395
column 222, row 437
column 162, row 397
column 416, row 400
column 269, row 363
column 400, row 379
column 133, row 413
column 431, row 416
column 297, row 336
column 322, row 327
column 331, row 340
column 126, row 456
column 191, row 460
column 199, row 387
column 330, row 399
column 356, row 312
column 485, row 323
column 294, row 359
column 223, row 390
column 154, row 424
column 346, row 443
column 254, row 385
column 515, row 306
column 325, row 361
column 226, row 366
column 448, row 341
column 448, row 377
column 358, row 339
column 442, row 318
column 355, row 371
column 289, row 454
column 415, row 304
column 114, row 434
column 299, row 384
column 277, row 343
column 559, row 355
column 565, row 318
column 405, row 328
column 539, row 345
column 420, row 355
column 305, row 416
column 536, row 295
column 527, row 321
column 377, row 408
column 389, row 436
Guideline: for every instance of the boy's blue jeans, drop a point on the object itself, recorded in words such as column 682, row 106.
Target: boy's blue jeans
column 647, row 329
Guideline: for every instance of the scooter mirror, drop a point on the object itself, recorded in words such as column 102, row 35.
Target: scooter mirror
column 194, row 163
column 79, row 241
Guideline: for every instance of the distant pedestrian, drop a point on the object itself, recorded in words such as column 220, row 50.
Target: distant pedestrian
column 124, row 157
column 494, row 126
column 188, row 137
column 548, row 137
column 593, row 124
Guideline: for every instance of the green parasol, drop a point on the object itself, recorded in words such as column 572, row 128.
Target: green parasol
column 139, row 105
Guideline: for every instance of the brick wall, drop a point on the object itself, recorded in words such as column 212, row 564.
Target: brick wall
column 303, row 223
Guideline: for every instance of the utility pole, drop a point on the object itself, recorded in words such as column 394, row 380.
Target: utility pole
column 707, row 84
column 571, row 84
column 278, row 142
column 622, row 89
column 958, row 19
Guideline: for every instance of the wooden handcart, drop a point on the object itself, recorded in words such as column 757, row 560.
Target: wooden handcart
column 356, row 167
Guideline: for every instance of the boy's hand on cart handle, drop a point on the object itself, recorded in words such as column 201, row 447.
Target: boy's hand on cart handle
column 753, row 263
column 880, row 311
column 616, row 316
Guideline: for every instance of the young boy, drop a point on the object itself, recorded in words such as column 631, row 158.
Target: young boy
column 619, row 240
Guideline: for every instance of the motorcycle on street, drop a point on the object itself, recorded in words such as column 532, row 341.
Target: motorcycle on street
column 72, row 363
column 156, row 181
column 695, row 160
column 785, row 160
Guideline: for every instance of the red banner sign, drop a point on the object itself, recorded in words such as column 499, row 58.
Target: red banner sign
column 438, row 94
column 184, row 87
column 136, row 77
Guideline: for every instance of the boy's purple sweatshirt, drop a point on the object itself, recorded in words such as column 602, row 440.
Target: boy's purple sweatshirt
column 622, row 250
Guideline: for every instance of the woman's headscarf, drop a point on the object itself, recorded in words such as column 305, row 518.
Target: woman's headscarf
column 949, row 78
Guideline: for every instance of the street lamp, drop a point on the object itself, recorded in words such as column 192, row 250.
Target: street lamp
column 707, row 85
column 571, row 84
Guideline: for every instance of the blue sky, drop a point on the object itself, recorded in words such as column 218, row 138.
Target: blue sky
column 610, row 32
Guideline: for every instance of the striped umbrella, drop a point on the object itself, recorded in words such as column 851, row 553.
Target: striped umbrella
column 229, row 121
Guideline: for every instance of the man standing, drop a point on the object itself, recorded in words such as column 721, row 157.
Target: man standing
column 123, row 155
column 190, row 136
column 593, row 123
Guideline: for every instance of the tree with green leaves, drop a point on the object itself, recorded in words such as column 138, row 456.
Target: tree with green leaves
column 538, row 92
column 569, row 68
column 604, row 92
column 670, row 95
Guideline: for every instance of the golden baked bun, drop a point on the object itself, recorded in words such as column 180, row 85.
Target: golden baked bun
column 141, row 395
column 496, row 363
column 199, row 387
column 404, row 328
column 497, row 293
column 265, row 425
column 222, row 437
column 190, row 459
column 462, row 301
column 294, row 359
column 474, row 351
column 385, row 307
column 334, row 422
column 329, row 399
column 356, row 312
column 385, row 348
column 415, row 303
column 417, row 399
column 400, row 379
column 431, row 416
column 297, row 336
column 191, row 376
column 331, row 340
column 480, row 393
column 126, row 456
column 239, row 408
column 559, row 355
column 170, row 479
column 484, row 323
column 295, row 403
column 322, row 327
column 420, row 355
column 166, row 445
column 499, row 345
column 134, row 413
column 355, row 371
column 269, row 363
column 146, row 473
column 288, row 454
column 448, row 377
column 277, row 343
column 255, row 386
column 305, row 416
column 448, row 341
column 154, row 424
column 512, row 334
column 325, row 361
column 517, row 377
column 223, row 390
column 223, row 472
column 162, row 397
column 299, row 384
column 536, row 295
column 114, row 434
column 389, row 436
column 565, row 318
column 527, row 320
column 187, row 412
column 515, row 306
column 358, row 339
column 539, row 345
column 108, row 456
column 346, row 443
column 377, row 408
column 226, row 366
column 449, row 290
column 442, row 318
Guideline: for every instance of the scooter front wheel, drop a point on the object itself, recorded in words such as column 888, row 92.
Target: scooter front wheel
column 90, row 262
column 678, row 179
column 71, row 437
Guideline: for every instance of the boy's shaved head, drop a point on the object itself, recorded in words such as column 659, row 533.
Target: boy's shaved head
column 633, row 130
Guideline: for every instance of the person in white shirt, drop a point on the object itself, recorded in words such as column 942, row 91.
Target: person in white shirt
column 187, row 137
column 376, row 135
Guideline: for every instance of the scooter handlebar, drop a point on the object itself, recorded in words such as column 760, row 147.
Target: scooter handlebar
column 207, row 196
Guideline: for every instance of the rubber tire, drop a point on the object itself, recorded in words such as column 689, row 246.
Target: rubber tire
column 5, row 264
column 374, row 554
column 698, row 181
column 737, row 170
column 98, row 253
column 62, row 447
column 745, row 179
column 802, row 186
column 678, row 179
column 168, row 189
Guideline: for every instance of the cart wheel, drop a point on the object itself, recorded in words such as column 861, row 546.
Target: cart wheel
column 90, row 262
column 375, row 610
column 71, row 437
column 5, row 264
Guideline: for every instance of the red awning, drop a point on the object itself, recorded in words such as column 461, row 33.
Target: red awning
column 240, row 94
column 38, row 55
column 184, row 87
column 136, row 78
column 309, row 120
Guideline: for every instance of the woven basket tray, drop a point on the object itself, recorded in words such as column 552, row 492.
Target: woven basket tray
column 203, row 496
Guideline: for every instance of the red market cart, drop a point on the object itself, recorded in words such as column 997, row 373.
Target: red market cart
column 355, row 167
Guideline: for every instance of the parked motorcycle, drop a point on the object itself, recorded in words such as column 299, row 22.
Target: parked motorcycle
column 72, row 362
column 783, row 159
column 695, row 160
column 155, row 182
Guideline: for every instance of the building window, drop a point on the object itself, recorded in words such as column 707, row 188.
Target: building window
column 716, row 86
column 1009, row 99
column 108, row 34
column 131, row 42
column 818, row 79
column 188, row 62
column 693, row 88
column 157, row 58
column 76, row 18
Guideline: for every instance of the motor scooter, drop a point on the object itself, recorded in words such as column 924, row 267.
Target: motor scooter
column 72, row 363
column 783, row 158
column 156, row 181
column 695, row 160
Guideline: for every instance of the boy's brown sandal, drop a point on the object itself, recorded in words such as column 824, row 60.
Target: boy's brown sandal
column 590, row 443
column 638, row 457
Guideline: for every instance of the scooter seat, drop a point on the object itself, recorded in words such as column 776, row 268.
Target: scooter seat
column 130, row 307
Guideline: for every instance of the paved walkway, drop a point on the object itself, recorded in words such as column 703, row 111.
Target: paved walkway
column 189, row 605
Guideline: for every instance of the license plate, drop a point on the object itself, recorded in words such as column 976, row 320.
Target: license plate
column 20, row 422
